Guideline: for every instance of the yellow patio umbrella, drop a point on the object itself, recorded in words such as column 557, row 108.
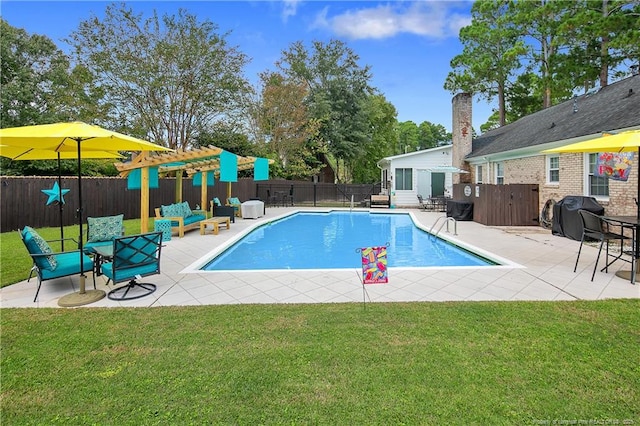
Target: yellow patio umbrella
column 61, row 137
column 20, row 153
column 77, row 137
column 628, row 141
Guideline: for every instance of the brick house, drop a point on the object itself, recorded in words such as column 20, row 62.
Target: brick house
column 512, row 154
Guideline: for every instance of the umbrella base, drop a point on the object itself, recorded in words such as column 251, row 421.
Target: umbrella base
column 627, row 276
column 80, row 299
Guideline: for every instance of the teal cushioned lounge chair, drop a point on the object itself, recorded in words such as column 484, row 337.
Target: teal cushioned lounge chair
column 49, row 265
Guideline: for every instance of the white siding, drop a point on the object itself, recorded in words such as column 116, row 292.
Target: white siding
column 420, row 160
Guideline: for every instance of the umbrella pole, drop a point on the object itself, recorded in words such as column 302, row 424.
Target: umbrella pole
column 633, row 275
column 638, row 189
column 60, row 203
column 82, row 297
column 82, row 276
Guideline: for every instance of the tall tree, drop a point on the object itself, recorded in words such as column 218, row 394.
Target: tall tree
column 490, row 56
column 338, row 89
column 431, row 135
column 382, row 116
column 33, row 72
column 408, row 137
column 627, row 40
column 167, row 78
column 562, row 45
column 540, row 22
column 39, row 86
column 228, row 138
column 601, row 35
column 287, row 131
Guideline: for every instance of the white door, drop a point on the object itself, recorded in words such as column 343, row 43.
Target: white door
column 424, row 183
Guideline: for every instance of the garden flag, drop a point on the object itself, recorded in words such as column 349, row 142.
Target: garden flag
column 374, row 265
column 614, row 165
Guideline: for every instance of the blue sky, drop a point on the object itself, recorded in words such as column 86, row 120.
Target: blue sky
column 407, row 44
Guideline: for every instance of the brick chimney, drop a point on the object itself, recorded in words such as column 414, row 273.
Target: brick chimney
column 461, row 130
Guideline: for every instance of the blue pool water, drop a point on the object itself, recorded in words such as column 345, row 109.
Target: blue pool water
column 321, row 240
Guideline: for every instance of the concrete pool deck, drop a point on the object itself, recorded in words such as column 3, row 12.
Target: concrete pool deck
column 541, row 269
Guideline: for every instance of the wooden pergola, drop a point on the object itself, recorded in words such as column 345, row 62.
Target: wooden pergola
column 200, row 160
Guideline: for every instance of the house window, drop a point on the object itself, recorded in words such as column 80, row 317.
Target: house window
column 598, row 186
column 404, row 179
column 500, row 173
column 553, row 169
column 479, row 174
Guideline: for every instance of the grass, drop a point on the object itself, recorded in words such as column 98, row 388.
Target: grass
column 402, row 363
column 15, row 261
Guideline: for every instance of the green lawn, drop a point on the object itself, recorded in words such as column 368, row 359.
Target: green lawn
column 476, row 363
column 480, row 363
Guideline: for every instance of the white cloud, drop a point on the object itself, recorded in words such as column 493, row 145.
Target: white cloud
column 456, row 22
column 289, row 8
column 429, row 19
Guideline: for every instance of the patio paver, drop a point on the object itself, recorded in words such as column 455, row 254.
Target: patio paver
column 543, row 270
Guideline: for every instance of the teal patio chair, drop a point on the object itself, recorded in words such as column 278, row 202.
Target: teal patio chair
column 134, row 257
column 49, row 265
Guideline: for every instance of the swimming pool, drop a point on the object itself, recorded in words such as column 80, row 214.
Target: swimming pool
column 328, row 240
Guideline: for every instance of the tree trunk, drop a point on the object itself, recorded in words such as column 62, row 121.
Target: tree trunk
column 501, row 107
column 547, row 52
column 604, row 50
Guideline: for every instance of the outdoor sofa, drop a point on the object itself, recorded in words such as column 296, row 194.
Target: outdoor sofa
column 181, row 216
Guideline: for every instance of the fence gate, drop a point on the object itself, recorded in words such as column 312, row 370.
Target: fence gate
column 501, row 205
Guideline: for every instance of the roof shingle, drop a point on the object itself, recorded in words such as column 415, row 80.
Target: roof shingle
column 616, row 106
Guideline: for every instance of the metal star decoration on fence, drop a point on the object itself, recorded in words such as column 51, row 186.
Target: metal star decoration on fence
column 55, row 194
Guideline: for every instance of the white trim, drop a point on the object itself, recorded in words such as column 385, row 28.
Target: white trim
column 586, row 186
column 479, row 172
column 547, row 169
column 496, row 168
column 386, row 160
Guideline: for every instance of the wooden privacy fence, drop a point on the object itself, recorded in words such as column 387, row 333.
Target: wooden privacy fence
column 501, row 205
column 23, row 203
column 309, row 193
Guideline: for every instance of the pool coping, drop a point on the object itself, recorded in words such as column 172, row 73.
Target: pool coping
column 195, row 267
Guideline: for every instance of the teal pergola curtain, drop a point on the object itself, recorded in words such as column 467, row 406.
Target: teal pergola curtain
column 261, row 169
column 197, row 179
column 228, row 167
column 134, row 179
